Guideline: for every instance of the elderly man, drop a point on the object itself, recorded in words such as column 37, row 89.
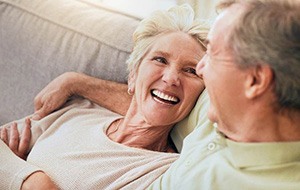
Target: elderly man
column 251, row 72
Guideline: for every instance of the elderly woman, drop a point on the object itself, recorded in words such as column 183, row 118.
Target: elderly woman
column 84, row 146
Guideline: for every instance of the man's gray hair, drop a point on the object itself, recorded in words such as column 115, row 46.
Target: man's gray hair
column 268, row 32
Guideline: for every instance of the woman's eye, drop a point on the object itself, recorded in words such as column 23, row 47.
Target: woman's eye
column 160, row 59
column 190, row 70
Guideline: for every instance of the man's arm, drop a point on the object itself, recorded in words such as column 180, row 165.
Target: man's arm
column 108, row 94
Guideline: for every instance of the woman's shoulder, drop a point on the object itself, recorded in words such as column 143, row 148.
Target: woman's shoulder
column 87, row 106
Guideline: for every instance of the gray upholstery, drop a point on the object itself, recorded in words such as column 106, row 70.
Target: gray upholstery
column 41, row 39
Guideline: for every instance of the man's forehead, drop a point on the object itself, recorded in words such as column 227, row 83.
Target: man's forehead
column 223, row 24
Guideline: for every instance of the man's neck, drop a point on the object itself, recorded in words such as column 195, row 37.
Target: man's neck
column 283, row 126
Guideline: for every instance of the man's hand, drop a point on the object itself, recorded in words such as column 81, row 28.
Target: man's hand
column 108, row 94
column 38, row 180
column 18, row 144
column 54, row 95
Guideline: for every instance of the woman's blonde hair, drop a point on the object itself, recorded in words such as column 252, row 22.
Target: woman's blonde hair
column 178, row 18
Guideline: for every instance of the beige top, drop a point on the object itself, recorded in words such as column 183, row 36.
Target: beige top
column 71, row 146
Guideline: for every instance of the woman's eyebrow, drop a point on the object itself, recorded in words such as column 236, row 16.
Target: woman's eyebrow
column 163, row 53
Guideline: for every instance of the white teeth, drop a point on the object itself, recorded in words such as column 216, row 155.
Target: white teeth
column 165, row 96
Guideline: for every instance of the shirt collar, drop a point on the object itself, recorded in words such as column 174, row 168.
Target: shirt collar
column 263, row 154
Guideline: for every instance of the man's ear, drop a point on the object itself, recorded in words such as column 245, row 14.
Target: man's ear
column 258, row 80
column 131, row 82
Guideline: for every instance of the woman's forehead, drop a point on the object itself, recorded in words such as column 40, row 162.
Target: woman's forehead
column 177, row 42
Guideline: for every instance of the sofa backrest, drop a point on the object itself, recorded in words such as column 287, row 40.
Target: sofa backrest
column 41, row 39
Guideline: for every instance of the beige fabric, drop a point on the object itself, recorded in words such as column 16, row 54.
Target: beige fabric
column 71, row 146
column 41, row 39
column 21, row 169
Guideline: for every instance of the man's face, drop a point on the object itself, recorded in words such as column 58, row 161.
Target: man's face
column 222, row 77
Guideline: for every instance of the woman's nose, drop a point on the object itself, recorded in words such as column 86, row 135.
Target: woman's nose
column 171, row 77
column 200, row 65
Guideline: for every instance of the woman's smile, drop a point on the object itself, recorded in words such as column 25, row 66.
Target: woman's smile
column 165, row 98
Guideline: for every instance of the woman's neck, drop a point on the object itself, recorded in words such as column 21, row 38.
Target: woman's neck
column 141, row 135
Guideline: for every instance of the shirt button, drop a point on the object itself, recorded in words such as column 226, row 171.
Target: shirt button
column 211, row 146
column 187, row 163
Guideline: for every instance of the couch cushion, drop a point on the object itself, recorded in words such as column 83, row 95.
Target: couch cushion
column 41, row 39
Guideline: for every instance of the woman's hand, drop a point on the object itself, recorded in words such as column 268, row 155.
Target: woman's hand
column 18, row 144
column 38, row 180
column 54, row 95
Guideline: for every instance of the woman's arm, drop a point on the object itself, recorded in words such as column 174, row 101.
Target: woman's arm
column 38, row 180
column 16, row 173
column 108, row 94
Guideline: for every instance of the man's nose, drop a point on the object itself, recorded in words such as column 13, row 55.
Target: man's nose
column 200, row 65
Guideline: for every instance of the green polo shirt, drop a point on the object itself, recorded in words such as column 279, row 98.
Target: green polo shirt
column 210, row 161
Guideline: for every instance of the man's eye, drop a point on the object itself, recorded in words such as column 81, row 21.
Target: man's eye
column 160, row 59
column 190, row 70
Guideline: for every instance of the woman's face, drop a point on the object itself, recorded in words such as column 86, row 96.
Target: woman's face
column 166, row 83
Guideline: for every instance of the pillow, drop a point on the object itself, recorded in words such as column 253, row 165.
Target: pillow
column 196, row 118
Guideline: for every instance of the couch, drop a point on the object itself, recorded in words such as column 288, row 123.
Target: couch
column 41, row 39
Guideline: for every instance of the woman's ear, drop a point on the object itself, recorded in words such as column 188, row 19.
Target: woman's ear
column 131, row 83
column 258, row 80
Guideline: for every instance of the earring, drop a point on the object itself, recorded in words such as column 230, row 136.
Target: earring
column 129, row 91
